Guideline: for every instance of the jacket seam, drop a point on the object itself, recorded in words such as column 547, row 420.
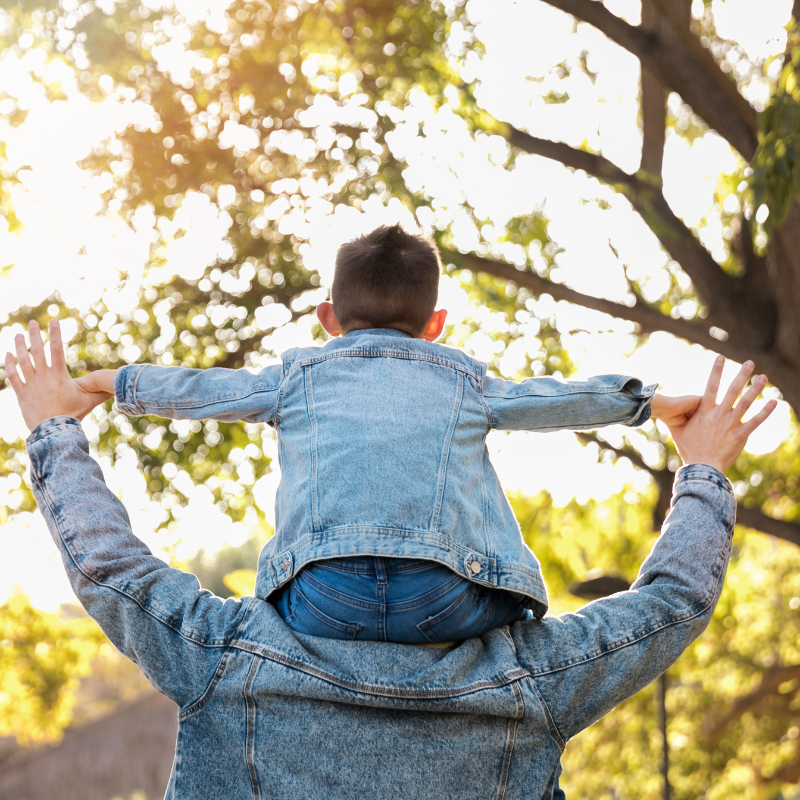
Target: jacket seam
column 250, row 706
column 511, row 734
column 551, row 723
column 380, row 691
column 208, row 692
column 617, row 387
column 383, row 353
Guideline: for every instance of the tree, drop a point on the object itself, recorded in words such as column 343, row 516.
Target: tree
column 275, row 114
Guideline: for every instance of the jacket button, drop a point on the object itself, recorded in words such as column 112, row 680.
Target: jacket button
column 475, row 566
column 285, row 565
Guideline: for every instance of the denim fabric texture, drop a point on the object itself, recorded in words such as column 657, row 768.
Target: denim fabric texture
column 381, row 443
column 392, row 600
column 268, row 713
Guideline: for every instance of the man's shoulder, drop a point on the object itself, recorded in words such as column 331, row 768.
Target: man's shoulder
column 377, row 344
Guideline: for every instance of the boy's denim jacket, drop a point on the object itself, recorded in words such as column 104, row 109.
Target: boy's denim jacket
column 382, row 449
column 267, row 713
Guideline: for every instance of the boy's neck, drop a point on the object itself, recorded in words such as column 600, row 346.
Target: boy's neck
column 381, row 331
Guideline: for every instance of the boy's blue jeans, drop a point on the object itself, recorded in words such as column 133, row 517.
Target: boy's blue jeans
column 408, row 601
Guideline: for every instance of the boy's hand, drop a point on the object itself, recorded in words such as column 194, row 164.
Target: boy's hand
column 47, row 390
column 715, row 434
column 102, row 380
column 674, row 410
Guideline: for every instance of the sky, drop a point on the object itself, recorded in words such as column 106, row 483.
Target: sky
column 68, row 245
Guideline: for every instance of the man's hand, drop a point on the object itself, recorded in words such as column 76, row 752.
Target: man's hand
column 674, row 410
column 715, row 434
column 47, row 390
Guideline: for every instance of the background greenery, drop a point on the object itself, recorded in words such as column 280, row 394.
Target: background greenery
column 734, row 697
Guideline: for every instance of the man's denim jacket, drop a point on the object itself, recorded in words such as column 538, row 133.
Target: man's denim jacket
column 382, row 449
column 267, row 713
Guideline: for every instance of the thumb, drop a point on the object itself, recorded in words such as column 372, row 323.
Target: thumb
column 686, row 405
column 88, row 383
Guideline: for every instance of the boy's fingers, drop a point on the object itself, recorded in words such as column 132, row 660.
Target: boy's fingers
column 712, row 387
column 757, row 419
column 22, row 357
column 37, row 345
column 12, row 376
column 57, row 347
column 749, row 397
column 737, row 384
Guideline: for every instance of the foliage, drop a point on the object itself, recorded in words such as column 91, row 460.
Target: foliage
column 776, row 164
column 42, row 658
column 733, row 702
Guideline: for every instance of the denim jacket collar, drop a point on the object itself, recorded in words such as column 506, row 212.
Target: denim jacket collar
column 379, row 332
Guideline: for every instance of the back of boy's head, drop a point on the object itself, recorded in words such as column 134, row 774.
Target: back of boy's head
column 386, row 279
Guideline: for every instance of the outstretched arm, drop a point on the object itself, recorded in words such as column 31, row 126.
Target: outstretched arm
column 548, row 404
column 179, row 393
column 617, row 645
column 157, row 616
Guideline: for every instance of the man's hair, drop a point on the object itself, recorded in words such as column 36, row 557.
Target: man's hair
column 386, row 279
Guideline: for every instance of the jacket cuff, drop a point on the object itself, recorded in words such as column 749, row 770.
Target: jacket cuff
column 703, row 472
column 125, row 389
column 645, row 394
column 53, row 427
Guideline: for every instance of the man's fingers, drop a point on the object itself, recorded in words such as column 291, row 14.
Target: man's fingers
column 12, row 376
column 737, row 384
column 22, row 357
column 712, row 387
column 749, row 397
column 757, row 419
column 37, row 345
column 57, row 347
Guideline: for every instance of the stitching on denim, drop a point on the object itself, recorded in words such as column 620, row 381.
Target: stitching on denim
column 251, row 727
column 383, row 353
column 568, row 389
column 621, row 644
column 136, row 404
column 208, row 693
column 344, row 627
column 309, row 392
column 224, row 642
column 510, row 738
column 448, row 438
column 425, row 626
column 380, row 691
column 551, row 723
column 335, row 594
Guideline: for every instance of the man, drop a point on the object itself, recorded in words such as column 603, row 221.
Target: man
column 267, row 712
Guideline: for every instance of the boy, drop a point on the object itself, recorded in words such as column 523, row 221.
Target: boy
column 391, row 524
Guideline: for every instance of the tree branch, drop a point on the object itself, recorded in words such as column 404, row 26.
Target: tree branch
column 749, row 517
column 683, row 65
column 654, row 109
column 771, row 679
column 748, row 323
column 648, row 319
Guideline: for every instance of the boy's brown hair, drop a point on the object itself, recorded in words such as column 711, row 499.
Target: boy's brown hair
column 386, row 279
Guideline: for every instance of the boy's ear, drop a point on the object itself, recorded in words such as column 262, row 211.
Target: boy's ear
column 327, row 318
column 434, row 326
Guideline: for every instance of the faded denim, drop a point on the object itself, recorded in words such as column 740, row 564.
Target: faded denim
column 381, row 442
column 265, row 713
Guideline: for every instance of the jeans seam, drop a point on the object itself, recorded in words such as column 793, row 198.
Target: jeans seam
column 345, row 627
